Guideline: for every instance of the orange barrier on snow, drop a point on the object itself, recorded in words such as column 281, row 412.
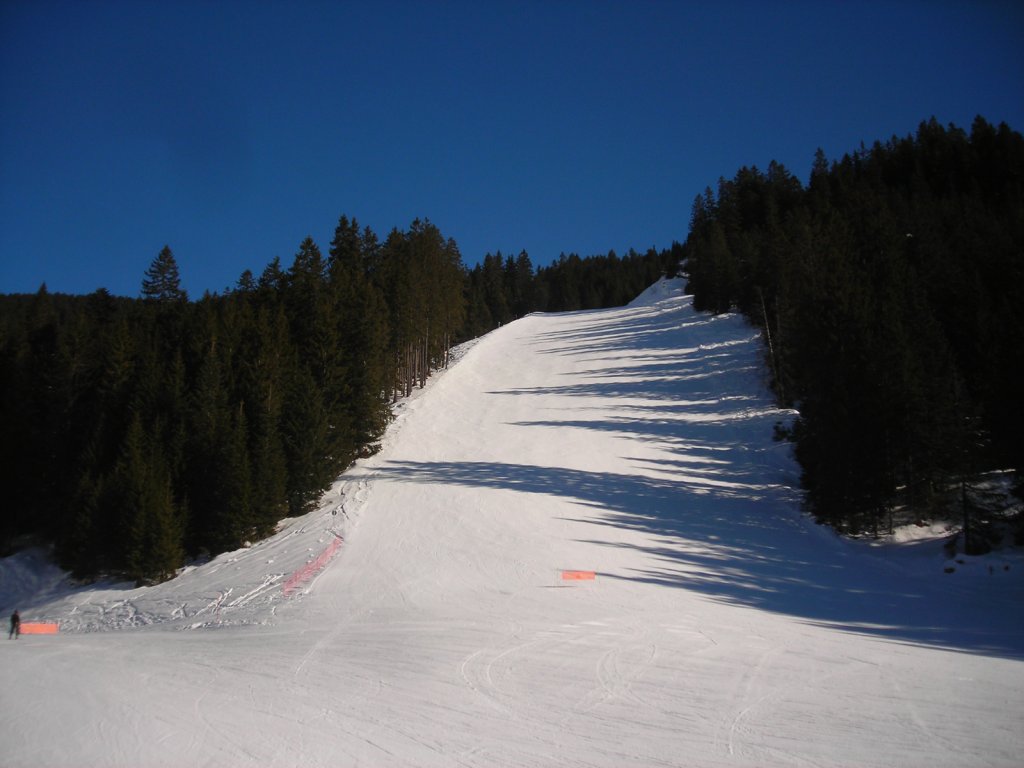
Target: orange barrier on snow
column 578, row 575
column 39, row 628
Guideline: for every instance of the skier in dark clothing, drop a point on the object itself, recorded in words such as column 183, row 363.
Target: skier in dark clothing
column 15, row 625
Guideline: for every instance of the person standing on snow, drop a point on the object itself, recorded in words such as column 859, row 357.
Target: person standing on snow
column 15, row 625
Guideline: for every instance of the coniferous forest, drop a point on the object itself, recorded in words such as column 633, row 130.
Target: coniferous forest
column 140, row 432
column 891, row 294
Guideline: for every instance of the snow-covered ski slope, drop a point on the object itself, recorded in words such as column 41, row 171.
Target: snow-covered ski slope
column 722, row 627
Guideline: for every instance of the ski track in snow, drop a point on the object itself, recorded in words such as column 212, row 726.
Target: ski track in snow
column 418, row 617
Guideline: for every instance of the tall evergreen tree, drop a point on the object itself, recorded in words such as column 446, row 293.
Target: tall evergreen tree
column 162, row 282
column 362, row 317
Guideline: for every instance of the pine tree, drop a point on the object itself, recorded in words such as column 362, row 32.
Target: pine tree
column 140, row 491
column 272, row 279
column 478, row 315
column 521, row 285
column 162, row 282
column 362, row 318
column 305, row 431
column 495, row 292
column 262, row 375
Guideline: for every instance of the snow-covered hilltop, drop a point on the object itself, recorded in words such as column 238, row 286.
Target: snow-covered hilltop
column 420, row 617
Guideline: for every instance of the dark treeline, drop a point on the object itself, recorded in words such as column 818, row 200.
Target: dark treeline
column 502, row 289
column 891, row 291
column 141, row 432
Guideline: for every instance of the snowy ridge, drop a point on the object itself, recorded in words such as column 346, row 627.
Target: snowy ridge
column 430, row 626
column 664, row 289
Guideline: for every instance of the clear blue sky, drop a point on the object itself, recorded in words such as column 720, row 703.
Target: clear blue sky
column 231, row 130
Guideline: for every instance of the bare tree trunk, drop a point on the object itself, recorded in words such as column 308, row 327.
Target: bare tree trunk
column 410, row 369
column 771, row 348
column 424, row 361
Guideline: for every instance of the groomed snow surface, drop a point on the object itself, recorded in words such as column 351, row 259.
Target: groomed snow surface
column 420, row 617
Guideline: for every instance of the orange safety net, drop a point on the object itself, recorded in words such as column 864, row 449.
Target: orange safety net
column 578, row 575
column 304, row 574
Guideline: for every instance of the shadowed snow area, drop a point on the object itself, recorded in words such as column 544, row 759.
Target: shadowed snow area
column 420, row 617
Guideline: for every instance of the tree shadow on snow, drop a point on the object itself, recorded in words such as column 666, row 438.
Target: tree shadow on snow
column 717, row 497
column 716, row 530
